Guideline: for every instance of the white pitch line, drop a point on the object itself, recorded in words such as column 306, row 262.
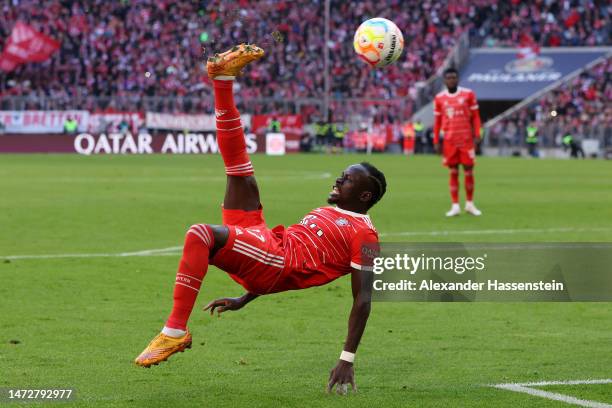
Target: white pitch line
column 148, row 252
column 524, row 388
column 170, row 251
column 568, row 382
column 174, row 250
column 178, row 179
column 490, row 231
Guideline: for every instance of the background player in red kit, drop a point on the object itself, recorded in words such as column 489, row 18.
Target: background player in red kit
column 456, row 114
column 329, row 242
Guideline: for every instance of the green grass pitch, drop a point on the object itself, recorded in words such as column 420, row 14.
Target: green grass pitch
column 80, row 321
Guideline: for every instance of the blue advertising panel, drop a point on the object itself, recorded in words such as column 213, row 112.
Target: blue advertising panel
column 498, row 74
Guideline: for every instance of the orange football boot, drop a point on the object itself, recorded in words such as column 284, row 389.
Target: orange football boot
column 232, row 61
column 162, row 347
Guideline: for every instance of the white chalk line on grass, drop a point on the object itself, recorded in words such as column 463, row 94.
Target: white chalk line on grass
column 169, row 179
column 170, row 251
column 526, row 389
column 491, row 231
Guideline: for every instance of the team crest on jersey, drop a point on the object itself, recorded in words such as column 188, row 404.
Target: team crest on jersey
column 461, row 100
column 343, row 222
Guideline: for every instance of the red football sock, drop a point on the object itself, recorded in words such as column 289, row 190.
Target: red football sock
column 469, row 184
column 454, row 184
column 230, row 135
column 192, row 269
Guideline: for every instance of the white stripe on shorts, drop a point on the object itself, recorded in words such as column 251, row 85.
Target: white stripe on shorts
column 254, row 248
column 258, row 259
column 262, row 257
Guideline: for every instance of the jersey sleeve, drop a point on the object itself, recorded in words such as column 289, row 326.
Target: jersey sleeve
column 364, row 248
column 475, row 114
column 437, row 119
column 472, row 101
column 437, row 106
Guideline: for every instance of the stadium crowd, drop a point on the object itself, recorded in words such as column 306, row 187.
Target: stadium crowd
column 577, row 106
column 545, row 23
column 154, row 48
column 114, row 53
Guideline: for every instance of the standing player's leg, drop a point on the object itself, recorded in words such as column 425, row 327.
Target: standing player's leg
column 468, row 172
column 450, row 159
column 453, row 184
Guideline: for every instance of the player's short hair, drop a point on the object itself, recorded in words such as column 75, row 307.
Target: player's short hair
column 378, row 180
column 450, row 70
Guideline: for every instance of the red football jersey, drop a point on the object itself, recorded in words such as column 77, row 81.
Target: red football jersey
column 457, row 116
column 326, row 244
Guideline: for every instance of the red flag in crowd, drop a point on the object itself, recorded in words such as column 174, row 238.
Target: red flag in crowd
column 26, row 45
column 528, row 48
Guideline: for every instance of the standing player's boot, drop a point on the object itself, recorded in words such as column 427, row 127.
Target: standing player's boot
column 470, row 208
column 454, row 211
column 231, row 62
column 162, row 347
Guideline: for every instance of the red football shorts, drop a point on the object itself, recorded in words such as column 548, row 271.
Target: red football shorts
column 253, row 255
column 455, row 155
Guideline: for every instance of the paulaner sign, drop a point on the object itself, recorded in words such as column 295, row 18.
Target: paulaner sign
column 501, row 74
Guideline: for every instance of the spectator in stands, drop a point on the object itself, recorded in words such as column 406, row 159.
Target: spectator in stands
column 145, row 55
column 581, row 104
column 570, row 143
column 275, row 125
column 71, row 126
column 121, row 52
column 305, row 143
column 321, row 129
column 124, row 125
column 549, row 23
column 532, row 139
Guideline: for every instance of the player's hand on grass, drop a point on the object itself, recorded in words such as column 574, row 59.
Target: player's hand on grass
column 225, row 304
column 341, row 376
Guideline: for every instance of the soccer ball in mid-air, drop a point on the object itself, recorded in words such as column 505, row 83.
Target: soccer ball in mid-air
column 378, row 42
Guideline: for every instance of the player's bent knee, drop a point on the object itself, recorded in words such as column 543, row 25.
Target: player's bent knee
column 200, row 234
column 220, row 235
column 214, row 237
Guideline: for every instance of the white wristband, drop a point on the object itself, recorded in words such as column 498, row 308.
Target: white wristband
column 347, row 356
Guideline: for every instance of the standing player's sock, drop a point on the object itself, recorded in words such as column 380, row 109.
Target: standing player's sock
column 469, row 184
column 192, row 269
column 454, row 185
column 230, row 135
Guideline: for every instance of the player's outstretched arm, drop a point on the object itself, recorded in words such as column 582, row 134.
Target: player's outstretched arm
column 225, row 304
column 343, row 374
